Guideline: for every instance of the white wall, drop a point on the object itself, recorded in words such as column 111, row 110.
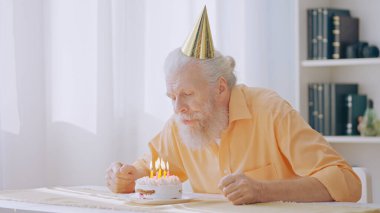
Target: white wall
column 259, row 35
column 363, row 155
column 26, row 161
column 86, row 129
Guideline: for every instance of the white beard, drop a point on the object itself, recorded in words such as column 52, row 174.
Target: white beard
column 210, row 123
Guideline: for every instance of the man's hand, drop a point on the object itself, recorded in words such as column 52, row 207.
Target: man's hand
column 240, row 189
column 121, row 178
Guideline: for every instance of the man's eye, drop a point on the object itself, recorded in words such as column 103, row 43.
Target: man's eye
column 172, row 97
column 188, row 93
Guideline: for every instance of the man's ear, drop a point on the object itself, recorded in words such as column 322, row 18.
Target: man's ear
column 222, row 86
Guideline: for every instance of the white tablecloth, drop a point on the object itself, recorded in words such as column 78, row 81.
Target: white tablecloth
column 99, row 199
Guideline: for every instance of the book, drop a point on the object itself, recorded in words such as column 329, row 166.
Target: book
column 327, row 30
column 316, row 106
column 346, row 32
column 311, row 105
column 315, row 34
column 320, row 109
column 356, row 106
column 310, row 34
column 338, row 106
column 326, row 109
column 319, row 32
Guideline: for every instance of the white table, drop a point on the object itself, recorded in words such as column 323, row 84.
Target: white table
column 95, row 199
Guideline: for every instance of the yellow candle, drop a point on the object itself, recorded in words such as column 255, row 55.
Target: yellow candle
column 167, row 168
column 151, row 169
column 157, row 166
column 163, row 167
column 159, row 173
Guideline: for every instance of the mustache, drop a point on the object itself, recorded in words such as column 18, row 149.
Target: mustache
column 190, row 116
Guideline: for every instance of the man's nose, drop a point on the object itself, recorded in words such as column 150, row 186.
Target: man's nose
column 180, row 106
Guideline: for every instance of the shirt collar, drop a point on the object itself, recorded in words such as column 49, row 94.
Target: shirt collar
column 238, row 108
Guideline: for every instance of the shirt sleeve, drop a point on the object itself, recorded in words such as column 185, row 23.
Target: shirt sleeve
column 309, row 154
column 164, row 145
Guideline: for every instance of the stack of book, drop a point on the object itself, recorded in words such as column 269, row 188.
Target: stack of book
column 334, row 108
column 329, row 32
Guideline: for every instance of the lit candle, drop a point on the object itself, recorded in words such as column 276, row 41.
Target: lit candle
column 157, row 165
column 167, row 168
column 151, row 169
column 159, row 168
column 163, row 167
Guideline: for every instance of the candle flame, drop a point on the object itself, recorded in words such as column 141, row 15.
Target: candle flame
column 157, row 164
column 162, row 164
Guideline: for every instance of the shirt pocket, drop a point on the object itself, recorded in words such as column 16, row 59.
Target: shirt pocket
column 267, row 172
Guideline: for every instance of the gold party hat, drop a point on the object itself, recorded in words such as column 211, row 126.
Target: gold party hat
column 199, row 43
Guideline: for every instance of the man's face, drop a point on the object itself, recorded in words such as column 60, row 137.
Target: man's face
column 189, row 93
column 198, row 116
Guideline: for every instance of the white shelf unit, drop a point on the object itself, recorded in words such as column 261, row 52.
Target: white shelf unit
column 364, row 71
column 359, row 151
column 341, row 62
column 353, row 139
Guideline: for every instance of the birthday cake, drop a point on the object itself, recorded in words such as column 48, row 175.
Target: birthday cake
column 168, row 187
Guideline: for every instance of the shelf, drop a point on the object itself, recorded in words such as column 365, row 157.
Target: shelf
column 353, row 139
column 340, row 62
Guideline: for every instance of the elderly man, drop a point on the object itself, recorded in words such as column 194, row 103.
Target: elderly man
column 247, row 143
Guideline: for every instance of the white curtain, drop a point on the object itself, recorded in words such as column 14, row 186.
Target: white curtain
column 82, row 82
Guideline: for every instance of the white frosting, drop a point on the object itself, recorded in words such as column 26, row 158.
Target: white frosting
column 169, row 180
column 159, row 188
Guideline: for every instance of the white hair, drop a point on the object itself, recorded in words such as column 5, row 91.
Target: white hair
column 219, row 66
column 212, row 120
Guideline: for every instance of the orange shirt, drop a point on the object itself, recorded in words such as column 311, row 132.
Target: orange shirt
column 266, row 139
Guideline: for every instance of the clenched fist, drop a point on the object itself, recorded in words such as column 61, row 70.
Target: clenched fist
column 240, row 189
column 121, row 178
